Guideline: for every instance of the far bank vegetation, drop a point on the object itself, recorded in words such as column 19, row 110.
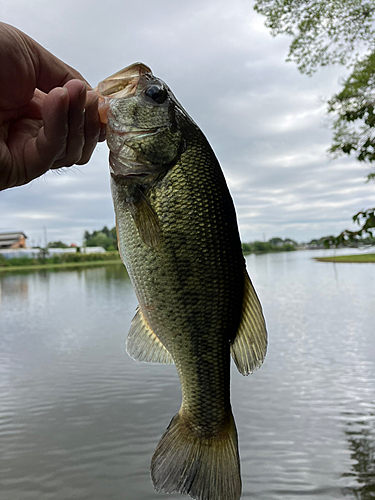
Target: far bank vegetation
column 62, row 259
column 105, row 238
column 272, row 245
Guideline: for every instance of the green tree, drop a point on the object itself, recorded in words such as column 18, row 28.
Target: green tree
column 323, row 31
column 328, row 32
column 354, row 126
column 106, row 238
column 57, row 244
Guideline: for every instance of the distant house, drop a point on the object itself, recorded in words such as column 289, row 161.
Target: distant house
column 55, row 251
column 276, row 242
column 13, row 240
column 288, row 241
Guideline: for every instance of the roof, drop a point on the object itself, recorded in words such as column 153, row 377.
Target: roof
column 12, row 236
column 9, row 239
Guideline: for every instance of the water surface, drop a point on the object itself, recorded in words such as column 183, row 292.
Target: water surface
column 80, row 420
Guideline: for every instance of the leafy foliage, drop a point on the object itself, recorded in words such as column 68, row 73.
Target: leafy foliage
column 324, row 31
column 57, row 244
column 354, row 131
column 106, row 238
column 364, row 236
column 273, row 245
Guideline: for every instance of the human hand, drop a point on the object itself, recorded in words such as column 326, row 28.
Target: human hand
column 48, row 116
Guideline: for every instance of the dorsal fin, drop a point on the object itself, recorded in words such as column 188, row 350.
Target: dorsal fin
column 143, row 345
column 250, row 344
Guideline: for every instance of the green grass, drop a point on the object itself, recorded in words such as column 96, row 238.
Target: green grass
column 67, row 265
column 350, row 259
column 60, row 261
column 76, row 265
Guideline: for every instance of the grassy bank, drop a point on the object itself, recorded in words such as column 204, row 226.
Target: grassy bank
column 59, row 261
column 350, row 259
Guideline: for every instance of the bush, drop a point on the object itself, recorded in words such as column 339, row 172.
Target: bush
column 60, row 259
column 267, row 246
column 19, row 261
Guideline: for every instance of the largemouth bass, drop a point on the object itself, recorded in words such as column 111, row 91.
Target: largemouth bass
column 179, row 241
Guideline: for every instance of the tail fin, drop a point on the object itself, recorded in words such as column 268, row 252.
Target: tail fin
column 204, row 468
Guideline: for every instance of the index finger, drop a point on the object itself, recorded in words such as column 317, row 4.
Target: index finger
column 50, row 71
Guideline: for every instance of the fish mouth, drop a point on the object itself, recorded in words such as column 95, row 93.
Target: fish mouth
column 123, row 83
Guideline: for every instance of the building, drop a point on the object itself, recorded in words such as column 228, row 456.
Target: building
column 13, row 240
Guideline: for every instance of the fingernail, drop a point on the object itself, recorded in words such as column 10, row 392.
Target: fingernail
column 84, row 88
column 64, row 92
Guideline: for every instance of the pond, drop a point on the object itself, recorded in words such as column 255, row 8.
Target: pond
column 80, row 420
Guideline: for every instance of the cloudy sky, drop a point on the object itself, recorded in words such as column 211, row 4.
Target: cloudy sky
column 265, row 121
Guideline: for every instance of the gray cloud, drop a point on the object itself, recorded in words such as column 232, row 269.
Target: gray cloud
column 265, row 121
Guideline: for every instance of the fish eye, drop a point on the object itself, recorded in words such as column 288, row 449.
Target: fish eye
column 156, row 93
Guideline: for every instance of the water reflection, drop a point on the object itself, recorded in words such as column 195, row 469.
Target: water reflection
column 15, row 285
column 360, row 434
column 80, row 419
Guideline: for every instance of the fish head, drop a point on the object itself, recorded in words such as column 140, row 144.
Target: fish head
column 142, row 133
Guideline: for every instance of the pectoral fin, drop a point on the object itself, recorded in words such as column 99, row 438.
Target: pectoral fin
column 143, row 345
column 146, row 220
column 250, row 344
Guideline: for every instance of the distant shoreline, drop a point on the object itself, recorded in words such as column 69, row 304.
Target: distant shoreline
column 66, row 265
column 368, row 258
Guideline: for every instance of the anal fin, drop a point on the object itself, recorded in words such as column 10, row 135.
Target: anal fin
column 250, row 344
column 143, row 345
